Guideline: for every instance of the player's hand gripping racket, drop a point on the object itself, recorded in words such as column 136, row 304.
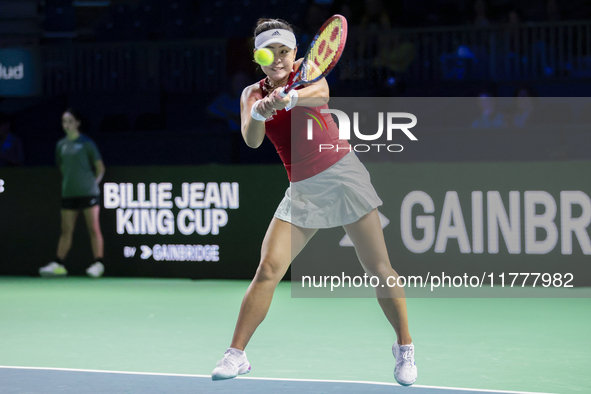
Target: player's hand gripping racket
column 323, row 54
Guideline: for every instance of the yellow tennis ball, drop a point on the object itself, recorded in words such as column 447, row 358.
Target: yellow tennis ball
column 264, row 56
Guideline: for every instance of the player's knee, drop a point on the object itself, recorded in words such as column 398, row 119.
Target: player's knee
column 268, row 270
column 67, row 230
column 94, row 231
column 382, row 270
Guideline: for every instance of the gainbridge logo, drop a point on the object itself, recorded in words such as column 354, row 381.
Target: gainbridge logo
column 344, row 125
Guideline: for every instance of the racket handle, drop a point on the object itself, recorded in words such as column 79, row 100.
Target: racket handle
column 282, row 92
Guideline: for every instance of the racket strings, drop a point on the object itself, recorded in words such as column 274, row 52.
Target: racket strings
column 324, row 50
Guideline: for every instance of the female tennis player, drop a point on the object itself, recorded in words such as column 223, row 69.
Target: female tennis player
column 327, row 182
column 82, row 169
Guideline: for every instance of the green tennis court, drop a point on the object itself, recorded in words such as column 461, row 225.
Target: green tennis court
column 176, row 327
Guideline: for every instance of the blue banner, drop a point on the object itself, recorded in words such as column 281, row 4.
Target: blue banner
column 20, row 72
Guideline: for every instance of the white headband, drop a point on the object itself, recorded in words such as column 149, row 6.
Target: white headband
column 273, row 36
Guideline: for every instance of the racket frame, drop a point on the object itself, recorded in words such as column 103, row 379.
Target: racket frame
column 296, row 80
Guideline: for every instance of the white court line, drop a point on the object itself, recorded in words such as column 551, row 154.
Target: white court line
column 280, row 379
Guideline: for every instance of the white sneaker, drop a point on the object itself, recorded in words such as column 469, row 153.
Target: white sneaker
column 233, row 364
column 405, row 371
column 53, row 269
column 96, row 270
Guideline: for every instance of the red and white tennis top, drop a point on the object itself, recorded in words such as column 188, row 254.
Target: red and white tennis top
column 302, row 157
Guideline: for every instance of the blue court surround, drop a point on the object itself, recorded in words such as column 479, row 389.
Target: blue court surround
column 15, row 380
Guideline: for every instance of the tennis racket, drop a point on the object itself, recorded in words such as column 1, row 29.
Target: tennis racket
column 323, row 53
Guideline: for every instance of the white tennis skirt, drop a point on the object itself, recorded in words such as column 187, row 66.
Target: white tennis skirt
column 339, row 195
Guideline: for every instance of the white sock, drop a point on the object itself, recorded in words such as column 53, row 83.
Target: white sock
column 238, row 351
